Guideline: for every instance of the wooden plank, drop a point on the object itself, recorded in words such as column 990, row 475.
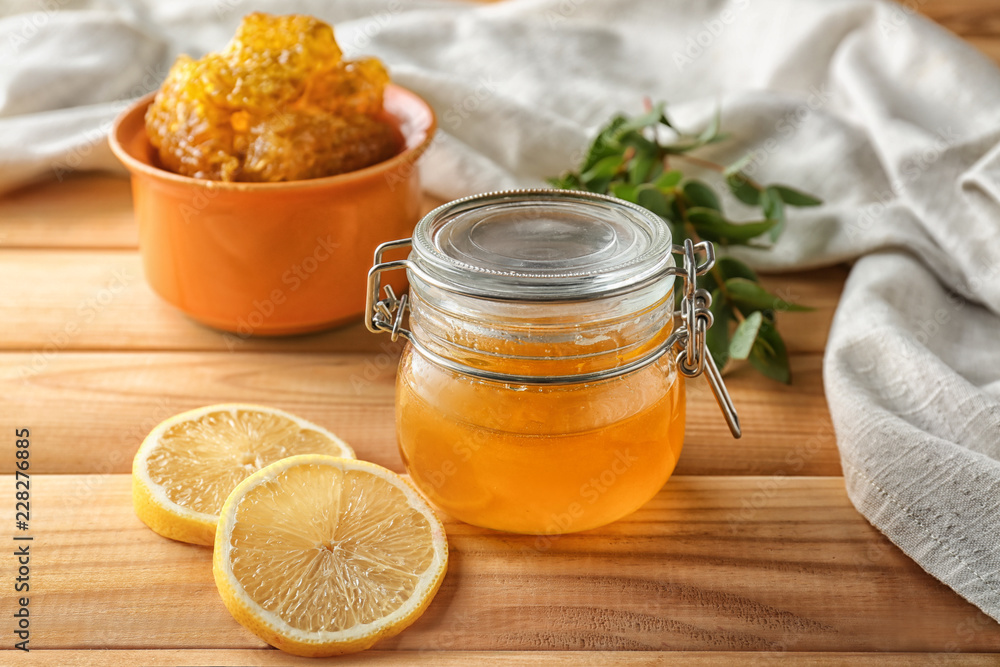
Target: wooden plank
column 965, row 18
column 83, row 211
column 976, row 21
column 787, row 429
column 710, row 564
column 820, row 289
column 374, row 658
column 990, row 46
column 56, row 300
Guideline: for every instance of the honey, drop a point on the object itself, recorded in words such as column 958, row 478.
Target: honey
column 542, row 387
column 540, row 460
column 279, row 103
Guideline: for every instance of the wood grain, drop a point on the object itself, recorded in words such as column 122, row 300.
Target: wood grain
column 108, row 402
column 84, row 211
column 966, row 18
column 710, row 564
column 761, row 565
column 273, row 658
column 57, row 300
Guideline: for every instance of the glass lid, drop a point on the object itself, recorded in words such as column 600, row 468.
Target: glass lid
column 541, row 245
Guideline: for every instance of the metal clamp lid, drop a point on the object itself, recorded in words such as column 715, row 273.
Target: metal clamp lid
column 687, row 341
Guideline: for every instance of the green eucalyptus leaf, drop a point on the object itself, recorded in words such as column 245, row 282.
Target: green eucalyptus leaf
column 717, row 337
column 654, row 116
column 741, row 188
column 605, row 169
column 707, row 282
column 680, row 148
column 730, row 267
column 672, row 217
column 700, row 194
column 640, row 143
column 700, row 215
column 737, row 167
column 605, row 144
column 568, row 181
column 649, row 197
column 745, row 335
column 752, row 296
column 769, row 354
column 711, row 133
column 627, row 159
column 711, row 226
column 626, row 191
column 794, row 197
column 678, row 230
column 598, row 185
column 774, row 209
column 642, row 168
column 669, row 180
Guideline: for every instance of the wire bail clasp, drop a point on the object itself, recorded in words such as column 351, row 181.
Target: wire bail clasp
column 693, row 358
column 688, row 340
column 386, row 315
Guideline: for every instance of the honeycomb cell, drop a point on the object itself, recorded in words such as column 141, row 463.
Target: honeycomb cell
column 279, row 103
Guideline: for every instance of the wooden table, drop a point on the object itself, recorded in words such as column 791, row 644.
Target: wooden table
column 750, row 555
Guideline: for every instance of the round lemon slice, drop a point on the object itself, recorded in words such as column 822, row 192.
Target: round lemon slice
column 188, row 465
column 321, row 556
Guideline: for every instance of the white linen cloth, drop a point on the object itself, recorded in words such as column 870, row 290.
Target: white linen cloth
column 889, row 118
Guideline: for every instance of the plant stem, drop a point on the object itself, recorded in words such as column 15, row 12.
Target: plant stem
column 715, row 166
column 716, row 273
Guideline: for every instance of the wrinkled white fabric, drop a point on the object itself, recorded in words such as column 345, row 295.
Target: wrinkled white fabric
column 893, row 121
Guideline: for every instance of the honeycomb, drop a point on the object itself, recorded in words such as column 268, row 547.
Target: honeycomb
column 279, row 103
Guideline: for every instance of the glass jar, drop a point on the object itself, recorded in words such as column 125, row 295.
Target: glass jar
column 542, row 387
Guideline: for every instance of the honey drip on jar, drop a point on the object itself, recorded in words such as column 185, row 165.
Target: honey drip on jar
column 278, row 104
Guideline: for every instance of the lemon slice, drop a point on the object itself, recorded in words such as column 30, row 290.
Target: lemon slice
column 188, row 465
column 321, row 556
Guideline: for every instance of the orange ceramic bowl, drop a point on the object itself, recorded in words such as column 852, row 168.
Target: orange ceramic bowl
column 272, row 258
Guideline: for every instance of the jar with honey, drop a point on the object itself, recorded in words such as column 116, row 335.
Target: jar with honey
column 541, row 389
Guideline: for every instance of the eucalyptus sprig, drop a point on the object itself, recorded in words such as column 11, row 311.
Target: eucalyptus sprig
column 635, row 159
